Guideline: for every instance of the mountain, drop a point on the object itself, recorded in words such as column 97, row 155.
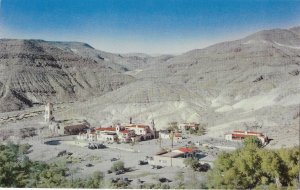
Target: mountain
column 37, row 71
column 228, row 85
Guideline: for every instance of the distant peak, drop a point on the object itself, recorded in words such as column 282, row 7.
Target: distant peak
column 296, row 29
column 70, row 43
column 282, row 36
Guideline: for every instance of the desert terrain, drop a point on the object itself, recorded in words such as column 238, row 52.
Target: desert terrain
column 251, row 83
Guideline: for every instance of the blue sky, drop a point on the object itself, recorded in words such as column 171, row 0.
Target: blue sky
column 150, row 26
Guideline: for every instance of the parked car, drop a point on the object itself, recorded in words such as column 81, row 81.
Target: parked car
column 69, row 153
column 163, row 180
column 89, row 165
column 61, row 153
column 156, row 167
column 119, row 172
column 91, row 147
column 141, row 162
column 114, row 159
column 101, row 146
column 115, row 180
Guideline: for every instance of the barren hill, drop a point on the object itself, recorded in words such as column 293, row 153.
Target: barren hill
column 226, row 85
column 36, row 71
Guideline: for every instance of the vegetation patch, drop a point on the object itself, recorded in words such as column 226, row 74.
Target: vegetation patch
column 254, row 167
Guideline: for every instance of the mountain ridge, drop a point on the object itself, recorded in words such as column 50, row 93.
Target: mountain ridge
column 35, row 71
column 228, row 84
column 189, row 70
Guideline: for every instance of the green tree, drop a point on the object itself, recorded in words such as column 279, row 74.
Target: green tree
column 192, row 163
column 253, row 141
column 199, row 130
column 53, row 176
column 14, row 166
column 119, row 165
column 290, row 158
column 173, row 126
column 96, row 180
column 272, row 166
column 253, row 167
column 17, row 170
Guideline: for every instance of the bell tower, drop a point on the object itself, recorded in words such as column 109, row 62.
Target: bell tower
column 48, row 112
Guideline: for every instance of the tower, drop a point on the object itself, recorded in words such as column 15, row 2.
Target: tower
column 48, row 112
column 152, row 127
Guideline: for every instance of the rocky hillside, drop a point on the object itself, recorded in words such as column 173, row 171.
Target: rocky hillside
column 36, row 71
column 227, row 85
column 256, row 78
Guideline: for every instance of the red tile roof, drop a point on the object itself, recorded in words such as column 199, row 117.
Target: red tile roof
column 125, row 131
column 106, row 129
column 185, row 150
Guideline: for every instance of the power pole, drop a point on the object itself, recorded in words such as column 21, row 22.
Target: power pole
column 159, row 141
column 172, row 138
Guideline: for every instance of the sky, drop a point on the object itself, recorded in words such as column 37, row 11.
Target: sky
column 146, row 26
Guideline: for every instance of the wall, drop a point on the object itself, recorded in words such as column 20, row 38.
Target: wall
column 168, row 161
column 178, row 162
column 164, row 136
column 162, row 161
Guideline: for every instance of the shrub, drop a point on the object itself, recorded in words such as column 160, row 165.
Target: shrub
column 252, row 141
column 192, row 163
column 119, row 165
